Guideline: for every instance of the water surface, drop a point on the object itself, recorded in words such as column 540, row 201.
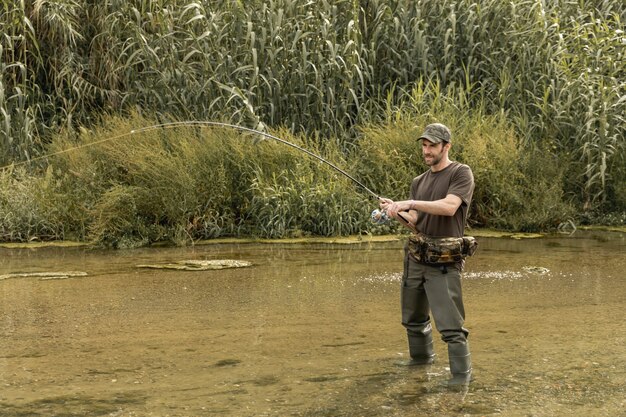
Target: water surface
column 309, row 330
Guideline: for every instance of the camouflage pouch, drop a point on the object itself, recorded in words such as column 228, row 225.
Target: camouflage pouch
column 470, row 244
column 446, row 250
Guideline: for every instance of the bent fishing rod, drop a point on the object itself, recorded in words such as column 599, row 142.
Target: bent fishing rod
column 377, row 216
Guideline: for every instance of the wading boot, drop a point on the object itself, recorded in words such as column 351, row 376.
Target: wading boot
column 421, row 350
column 460, row 364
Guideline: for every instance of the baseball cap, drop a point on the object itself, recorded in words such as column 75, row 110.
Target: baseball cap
column 436, row 133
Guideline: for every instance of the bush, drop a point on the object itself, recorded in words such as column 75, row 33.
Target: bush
column 32, row 207
column 189, row 183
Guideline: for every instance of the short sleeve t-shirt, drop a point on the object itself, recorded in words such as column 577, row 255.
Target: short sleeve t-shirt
column 456, row 179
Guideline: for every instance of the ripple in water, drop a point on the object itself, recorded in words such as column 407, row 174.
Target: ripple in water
column 494, row 275
column 384, row 277
column 490, row 275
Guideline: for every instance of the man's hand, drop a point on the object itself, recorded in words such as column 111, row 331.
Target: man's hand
column 399, row 210
column 394, row 207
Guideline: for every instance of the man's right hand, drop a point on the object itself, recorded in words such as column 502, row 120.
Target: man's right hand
column 384, row 203
column 393, row 208
column 397, row 211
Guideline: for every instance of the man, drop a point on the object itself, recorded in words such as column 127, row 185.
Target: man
column 437, row 214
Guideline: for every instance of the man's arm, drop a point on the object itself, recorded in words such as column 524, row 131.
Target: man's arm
column 445, row 207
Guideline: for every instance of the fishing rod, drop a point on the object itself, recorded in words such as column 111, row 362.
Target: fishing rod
column 378, row 216
column 201, row 124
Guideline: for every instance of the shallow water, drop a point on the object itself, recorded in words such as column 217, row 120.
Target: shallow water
column 309, row 330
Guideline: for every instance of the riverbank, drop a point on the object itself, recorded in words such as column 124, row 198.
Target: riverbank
column 347, row 240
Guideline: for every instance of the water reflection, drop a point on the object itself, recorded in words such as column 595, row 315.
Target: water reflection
column 309, row 330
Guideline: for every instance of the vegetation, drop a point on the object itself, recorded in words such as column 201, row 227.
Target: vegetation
column 191, row 183
column 534, row 91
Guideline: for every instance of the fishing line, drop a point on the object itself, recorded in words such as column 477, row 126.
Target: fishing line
column 378, row 216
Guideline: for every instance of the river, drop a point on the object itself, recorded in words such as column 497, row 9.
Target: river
column 309, row 330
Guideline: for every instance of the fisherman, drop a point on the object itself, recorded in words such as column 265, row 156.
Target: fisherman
column 434, row 255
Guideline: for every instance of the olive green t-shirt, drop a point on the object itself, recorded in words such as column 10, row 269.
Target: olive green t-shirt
column 455, row 179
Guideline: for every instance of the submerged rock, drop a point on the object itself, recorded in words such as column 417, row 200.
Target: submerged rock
column 199, row 265
column 536, row 269
column 44, row 275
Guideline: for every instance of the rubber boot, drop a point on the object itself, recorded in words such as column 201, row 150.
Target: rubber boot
column 460, row 364
column 421, row 350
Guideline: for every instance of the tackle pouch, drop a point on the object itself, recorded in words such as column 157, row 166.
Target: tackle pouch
column 441, row 250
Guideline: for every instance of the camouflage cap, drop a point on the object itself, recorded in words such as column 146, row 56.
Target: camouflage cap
column 436, row 133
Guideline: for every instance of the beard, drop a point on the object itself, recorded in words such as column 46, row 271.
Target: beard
column 435, row 159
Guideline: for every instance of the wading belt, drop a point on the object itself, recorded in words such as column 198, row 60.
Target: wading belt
column 441, row 250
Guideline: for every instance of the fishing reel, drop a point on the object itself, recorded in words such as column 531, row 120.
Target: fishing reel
column 379, row 217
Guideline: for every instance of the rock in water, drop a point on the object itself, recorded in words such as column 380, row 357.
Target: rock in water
column 536, row 269
column 44, row 275
column 199, row 265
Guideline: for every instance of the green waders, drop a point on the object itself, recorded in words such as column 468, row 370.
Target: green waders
column 435, row 289
column 420, row 348
column 460, row 363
